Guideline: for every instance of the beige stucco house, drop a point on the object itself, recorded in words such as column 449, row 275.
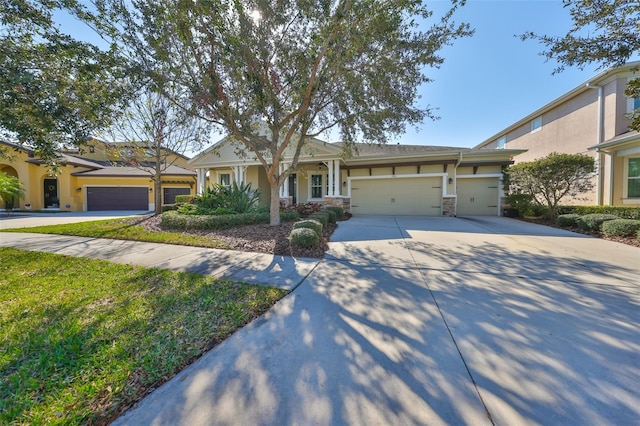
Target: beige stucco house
column 590, row 119
column 376, row 179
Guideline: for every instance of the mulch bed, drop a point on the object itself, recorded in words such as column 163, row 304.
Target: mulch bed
column 262, row 238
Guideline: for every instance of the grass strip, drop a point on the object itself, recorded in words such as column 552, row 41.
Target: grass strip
column 124, row 229
column 82, row 340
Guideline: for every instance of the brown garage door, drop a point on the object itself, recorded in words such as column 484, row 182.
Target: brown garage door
column 419, row 196
column 117, row 198
column 170, row 194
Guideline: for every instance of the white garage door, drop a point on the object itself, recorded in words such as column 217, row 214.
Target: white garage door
column 397, row 196
column 477, row 197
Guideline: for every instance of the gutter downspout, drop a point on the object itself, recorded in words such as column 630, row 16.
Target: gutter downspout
column 599, row 140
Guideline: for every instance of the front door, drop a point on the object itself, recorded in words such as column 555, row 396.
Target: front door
column 293, row 187
column 51, row 193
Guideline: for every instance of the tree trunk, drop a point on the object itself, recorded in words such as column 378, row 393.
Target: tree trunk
column 274, row 210
column 158, row 195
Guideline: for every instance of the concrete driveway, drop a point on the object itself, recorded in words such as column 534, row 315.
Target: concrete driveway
column 431, row 321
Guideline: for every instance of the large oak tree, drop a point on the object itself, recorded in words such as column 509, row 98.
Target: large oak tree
column 298, row 68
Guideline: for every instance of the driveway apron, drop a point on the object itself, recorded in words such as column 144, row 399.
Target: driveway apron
column 431, row 321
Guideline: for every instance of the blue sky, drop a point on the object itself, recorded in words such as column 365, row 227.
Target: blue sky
column 490, row 80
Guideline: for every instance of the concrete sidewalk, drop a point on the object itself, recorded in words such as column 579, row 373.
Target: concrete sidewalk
column 257, row 268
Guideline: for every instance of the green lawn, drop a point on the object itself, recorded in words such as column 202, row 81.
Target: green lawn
column 123, row 229
column 81, row 340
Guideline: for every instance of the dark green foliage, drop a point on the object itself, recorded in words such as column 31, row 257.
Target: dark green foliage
column 339, row 211
column 621, row 227
column 321, row 217
column 184, row 198
column 303, row 209
column 568, row 220
column 331, row 215
column 621, row 212
column 549, row 179
column 169, row 207
column 177, row 220
column 224, row 200
column 304, row 237
column 309, row 223
column 593, row 222
column 288, row 216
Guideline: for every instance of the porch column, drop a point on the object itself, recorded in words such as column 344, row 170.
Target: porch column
column 330, row 179
column 285, row 185
column 337, row 179
column 201, row 175
column 238, row 174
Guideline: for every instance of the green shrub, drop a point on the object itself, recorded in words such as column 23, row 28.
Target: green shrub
column 594, row 221
column 621, row 212
column 304, row 237
column 309, row 223
column 177, row 220
column 169, row 207
column 638, row 235
column 339, row 211
column 621, row 227
column 332, row 215
column 321, row 217
column 237, row 198
column 184, row 198
column 288, row 216
column 568, row 220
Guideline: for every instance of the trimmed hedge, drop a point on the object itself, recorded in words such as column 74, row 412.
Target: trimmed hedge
column 339, row 211
column 169, row 207
column 184, row 198
column 304, row 237
column 568, row 220
column 322, row 217
column 175, row 220
column 621, row 212
column 593, row 222
column 289, row 216
column 332, row 215
column 309, row 223
column 621, row 227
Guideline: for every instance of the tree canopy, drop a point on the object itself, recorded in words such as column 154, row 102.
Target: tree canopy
column 54, row 89
column 606, row 32
column 297, row 68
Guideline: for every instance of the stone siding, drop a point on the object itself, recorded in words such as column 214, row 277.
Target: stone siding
column 449, row 206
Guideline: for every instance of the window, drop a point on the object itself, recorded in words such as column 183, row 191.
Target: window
column 225, row 179
column 633, row 178
column 501, row 142
column 316, row 186
column 536, row 124
column 636, row 103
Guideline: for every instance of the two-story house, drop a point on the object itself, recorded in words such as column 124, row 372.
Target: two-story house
column 591, row 119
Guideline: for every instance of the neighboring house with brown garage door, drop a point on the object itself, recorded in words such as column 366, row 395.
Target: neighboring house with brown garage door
column 376, row 179
column 90, row 180
column 591, row 119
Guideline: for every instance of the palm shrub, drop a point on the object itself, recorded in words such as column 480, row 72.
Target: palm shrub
column 568, row 220
column 309, row 223
column 594, row 221
column 220, row 199
column 304, row 237
column 621, row 227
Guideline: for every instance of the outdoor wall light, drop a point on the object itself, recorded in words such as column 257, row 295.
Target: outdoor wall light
column 450, row 181
column 78, row 189
column 150, row 189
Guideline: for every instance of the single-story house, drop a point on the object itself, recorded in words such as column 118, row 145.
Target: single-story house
column 591, row 119
column 91, row 179
column 390, row 179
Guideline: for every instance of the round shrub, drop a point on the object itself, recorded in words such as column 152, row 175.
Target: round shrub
column 621, row 227
column 568, row 220
column 304, row 237
column 332, row 215
column 321, row 217
column 338, row 210
column 594, row 221
column 309, row 223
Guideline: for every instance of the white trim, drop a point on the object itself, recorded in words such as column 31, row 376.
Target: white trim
column 221, row 172
column 534, row 120
column 443, row 176
column 323, row 186
column 628, row 152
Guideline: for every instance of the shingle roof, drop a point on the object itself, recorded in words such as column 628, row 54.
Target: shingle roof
column 371, row 150
column 135, row 172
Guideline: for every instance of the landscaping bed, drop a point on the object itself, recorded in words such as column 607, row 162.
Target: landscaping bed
column 259, row 238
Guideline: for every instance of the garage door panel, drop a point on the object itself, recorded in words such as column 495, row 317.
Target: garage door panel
column 101, row 198
column 397, row 196
column 477, row 197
